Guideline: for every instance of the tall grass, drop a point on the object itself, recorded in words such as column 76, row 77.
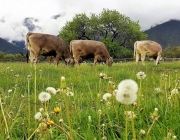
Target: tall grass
column 84, row 114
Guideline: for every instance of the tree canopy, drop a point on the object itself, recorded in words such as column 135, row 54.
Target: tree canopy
column 110, row 24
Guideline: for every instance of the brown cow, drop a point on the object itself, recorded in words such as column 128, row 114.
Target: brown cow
column 147, row 48
column 89, row 49
column 46, row 45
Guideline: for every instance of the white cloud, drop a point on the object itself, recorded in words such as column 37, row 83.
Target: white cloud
column 13, row 12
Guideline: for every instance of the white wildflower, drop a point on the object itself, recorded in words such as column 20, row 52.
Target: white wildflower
column 174, row 91
column 127, row 91
column 44, row 96
column 89, row 119
column 62, row 78
column 114, row 92
column 141, row 75
column 142, row 132
column 38, row 116
column 69, row 93
column 174, row 137
column 100, row 111
column 51, row 90
column 41, row 109
column 106, row 96
column 61, row 120
column 10, row 90
column 158, row 89
column 130, row 114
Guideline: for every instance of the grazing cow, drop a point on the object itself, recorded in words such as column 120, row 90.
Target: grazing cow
column 90, row 49
column 46, row 45
column 147, row 48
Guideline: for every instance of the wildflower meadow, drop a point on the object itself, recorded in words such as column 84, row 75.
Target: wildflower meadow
column 87, row 102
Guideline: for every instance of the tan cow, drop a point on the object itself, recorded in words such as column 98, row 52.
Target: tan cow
column 90, row 49
column 46, row 45
column 147, row 48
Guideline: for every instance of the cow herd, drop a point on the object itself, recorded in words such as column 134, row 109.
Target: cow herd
column 47, row 45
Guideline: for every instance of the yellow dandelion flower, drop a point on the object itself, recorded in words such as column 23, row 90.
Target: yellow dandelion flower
column 57, row 109
column 49, row 122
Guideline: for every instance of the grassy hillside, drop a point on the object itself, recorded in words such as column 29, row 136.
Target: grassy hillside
column 85, row 106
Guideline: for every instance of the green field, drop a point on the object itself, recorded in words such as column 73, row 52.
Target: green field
column 82, row 114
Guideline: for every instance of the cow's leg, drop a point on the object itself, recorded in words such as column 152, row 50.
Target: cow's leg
column 31, row 57
column 57, row 58
column 143, row 58
column 137, row 58
column 96, row 57
column 158, row 58
column 76, row 58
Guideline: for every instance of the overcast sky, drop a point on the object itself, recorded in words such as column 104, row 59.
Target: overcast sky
column 13, row 13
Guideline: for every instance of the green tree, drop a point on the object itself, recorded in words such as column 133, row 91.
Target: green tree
column 108, row 24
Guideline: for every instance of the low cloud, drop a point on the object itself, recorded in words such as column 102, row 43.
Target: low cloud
column 47, row 16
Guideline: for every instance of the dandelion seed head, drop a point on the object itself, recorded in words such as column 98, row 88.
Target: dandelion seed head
column 69, row 93
column 130, row 114
column 142, row 132
column 51, row 90
column 41, row 109
column 44, row 96
column 141, row 75
column 106, row 96
column 157, row 89
column 10, row 90
column 38, row 116
column 61, row 120
column 100, row 111
column 127, row 91
column 174, row 91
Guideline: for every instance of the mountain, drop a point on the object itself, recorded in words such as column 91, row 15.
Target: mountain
column 7, row 47
column 167, row 34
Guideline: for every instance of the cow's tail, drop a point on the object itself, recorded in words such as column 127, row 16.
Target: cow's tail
column 27, row 56
column 135, row 48
column 70, row 47
column 27, row 46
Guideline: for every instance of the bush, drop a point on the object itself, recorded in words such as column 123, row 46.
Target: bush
column 171, row 52
column 117, row 51
column 9, row 56
column 1, row 55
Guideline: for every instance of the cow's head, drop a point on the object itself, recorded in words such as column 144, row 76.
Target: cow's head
column 70, row 61
column 109, row 61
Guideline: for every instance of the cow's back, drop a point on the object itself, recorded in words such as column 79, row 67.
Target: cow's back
column 148, row 47
column 89, row 47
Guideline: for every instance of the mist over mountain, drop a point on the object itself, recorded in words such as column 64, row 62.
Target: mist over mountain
column 30, row 23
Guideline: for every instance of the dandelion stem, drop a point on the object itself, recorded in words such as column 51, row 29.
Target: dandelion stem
column 2, row 110
column 126, row 127
column 33, row 133
column 154, row 120
column 29, row 110
column 132, row 124
column 62, row 130
column 35, row 90
column 74, row 131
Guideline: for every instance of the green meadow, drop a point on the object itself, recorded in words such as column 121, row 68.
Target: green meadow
column 84, row 106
